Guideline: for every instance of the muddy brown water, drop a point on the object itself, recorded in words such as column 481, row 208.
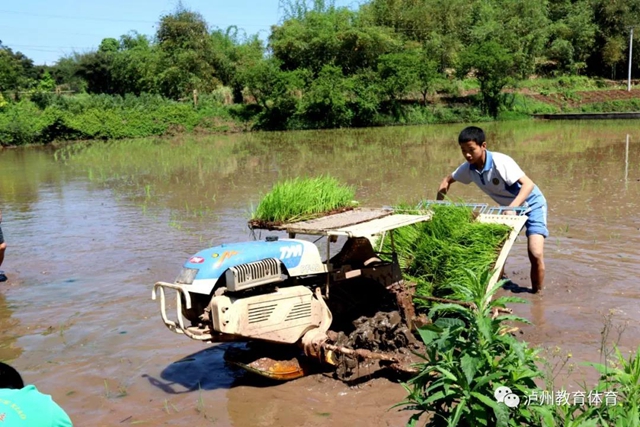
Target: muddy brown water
column 89, row 235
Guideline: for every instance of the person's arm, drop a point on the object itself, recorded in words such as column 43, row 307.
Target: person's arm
column 444, row 186
column 525, row 189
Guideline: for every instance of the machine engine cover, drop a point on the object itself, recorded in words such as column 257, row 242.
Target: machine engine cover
column 202, row 271
column 283, row 316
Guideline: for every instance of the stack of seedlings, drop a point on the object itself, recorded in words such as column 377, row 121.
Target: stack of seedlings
column 302, row 199
column 434, row 254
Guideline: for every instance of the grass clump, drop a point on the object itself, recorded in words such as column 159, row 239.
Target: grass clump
column 300, row 199
column 434, row 254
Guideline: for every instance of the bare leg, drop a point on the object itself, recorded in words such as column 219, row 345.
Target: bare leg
column 536, row 257
column 502, row 276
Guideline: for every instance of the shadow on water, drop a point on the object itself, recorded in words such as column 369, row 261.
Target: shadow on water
column 206, row 370
column 516, row 288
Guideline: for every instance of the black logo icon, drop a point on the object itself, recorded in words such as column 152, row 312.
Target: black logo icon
column 495, row 181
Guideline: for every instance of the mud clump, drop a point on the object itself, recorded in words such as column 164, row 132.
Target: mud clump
column 385, row 332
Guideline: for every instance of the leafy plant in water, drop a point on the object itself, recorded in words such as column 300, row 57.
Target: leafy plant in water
column 615, row 399
column 469, row 355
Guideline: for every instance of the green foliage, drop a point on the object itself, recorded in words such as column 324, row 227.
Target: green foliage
column 523, row 106
column 613, row 20
column 16, row 70
column 572, row 35
column 367, row 65
column 469, row 355
column 618, row 391
column 101, row 117
column 398, row 73
column 325, row 103
column 21, row 123
column 493, row 67
column 321, row 36
column 277, row 92
column 300, row 199
column 187, row 60
column 623, row 105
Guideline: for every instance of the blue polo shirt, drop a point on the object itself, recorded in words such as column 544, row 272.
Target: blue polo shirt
column 499, row 180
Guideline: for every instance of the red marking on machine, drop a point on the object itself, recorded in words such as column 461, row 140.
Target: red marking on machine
column 196, row 260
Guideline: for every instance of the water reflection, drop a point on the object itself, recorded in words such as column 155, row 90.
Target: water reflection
column 91, row 229
column 8, row 333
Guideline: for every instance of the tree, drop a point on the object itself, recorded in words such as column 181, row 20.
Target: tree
column 572, row 34
column 277, row 92
column 493, row 67
column 519, row 27
column 46, row 83
column 233, row 54
column 136, row 65
column 96, row 68
column 66, row 72
column 398, row 73
column 331, row 37
column 428, row 74
column 614, row 19
column 439, row 25
column 325, row 102
column 187, row 55
column 110, row 45
column 16, row 70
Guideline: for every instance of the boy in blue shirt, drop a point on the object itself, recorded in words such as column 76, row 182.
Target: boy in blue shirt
column 500, row 177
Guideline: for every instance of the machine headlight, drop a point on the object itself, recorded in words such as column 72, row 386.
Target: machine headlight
column 186, row 276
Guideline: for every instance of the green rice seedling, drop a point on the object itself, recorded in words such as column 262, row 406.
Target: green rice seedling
column 434, row 254
column 301, row 199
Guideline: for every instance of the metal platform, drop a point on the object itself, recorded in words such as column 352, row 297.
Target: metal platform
column 370, row 222
column 360, row 222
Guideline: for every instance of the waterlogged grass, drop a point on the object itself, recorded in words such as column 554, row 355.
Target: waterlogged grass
column 300, row 199
column 150, row 157
column 434, row 254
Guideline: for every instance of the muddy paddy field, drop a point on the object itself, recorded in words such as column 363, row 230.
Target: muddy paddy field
column 91, row 229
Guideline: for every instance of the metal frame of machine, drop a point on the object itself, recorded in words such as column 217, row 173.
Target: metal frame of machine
column 253, row 307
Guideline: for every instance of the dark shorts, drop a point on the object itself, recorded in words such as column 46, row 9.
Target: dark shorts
column 1, row 236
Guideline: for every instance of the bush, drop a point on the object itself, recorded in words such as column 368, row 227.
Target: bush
column 102, row 117
column 21, row 123
column 469, row 355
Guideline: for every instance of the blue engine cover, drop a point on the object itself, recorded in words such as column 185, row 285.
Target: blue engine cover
column 213, row 262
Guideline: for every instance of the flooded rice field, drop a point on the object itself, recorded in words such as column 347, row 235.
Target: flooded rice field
column 90, row 230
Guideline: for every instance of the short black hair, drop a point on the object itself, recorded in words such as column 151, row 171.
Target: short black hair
column 9, row 377
column 471, row 133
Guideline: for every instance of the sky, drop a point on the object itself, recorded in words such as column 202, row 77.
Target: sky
column 46, row 30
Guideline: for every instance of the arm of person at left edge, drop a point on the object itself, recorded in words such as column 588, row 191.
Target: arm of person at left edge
column 526, row 187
